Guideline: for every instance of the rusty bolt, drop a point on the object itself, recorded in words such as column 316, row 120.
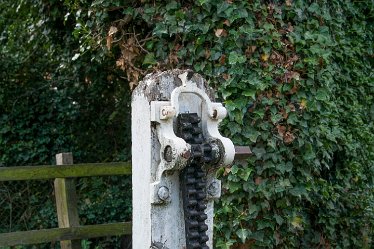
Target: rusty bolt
column 215, row 113
column 165, row 112
column 168, row 154
column 186, row 154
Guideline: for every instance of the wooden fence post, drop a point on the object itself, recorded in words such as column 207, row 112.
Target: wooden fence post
column 66, row 202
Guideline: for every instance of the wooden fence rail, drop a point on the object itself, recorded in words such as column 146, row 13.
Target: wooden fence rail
column 69, row 233
column 20, row 173
column 61, row 234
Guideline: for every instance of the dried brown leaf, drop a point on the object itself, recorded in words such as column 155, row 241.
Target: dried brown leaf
column 226, row 76
column 288, row 137
column 284, row 113
column 292, row 107
column 226, row 22
column 294, row 89
column 109, row 40
column 112, row 30
column 222, row 59
column 258, row 180
column 227, row 171
column 250, row 50
column 207, row 53
column 220, row 33
column 281, row 130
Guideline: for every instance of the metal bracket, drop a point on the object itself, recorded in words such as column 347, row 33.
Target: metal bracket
column 174, row 151
column 211, row 114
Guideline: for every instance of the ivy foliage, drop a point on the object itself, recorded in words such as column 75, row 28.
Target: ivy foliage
column 52, row 101
column 297, row 80
column 296, row 77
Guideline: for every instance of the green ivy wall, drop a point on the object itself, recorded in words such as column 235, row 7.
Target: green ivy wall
column 297, row 80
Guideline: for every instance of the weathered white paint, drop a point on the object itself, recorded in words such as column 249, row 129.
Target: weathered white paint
column 141, row 174
column 158, row 220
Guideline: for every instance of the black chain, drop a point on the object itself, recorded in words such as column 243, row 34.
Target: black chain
column 193, row 181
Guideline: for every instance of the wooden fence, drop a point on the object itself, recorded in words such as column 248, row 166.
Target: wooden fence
column 70, row 233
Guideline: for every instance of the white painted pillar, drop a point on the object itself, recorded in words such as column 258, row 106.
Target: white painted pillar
column 158, row 156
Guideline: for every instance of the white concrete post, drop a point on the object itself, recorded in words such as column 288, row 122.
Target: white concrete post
column 159, row 156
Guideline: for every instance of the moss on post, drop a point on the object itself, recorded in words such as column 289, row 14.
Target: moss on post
column 66, row 202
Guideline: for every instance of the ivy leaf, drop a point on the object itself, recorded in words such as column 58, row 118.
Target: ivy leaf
column 308, row 153
column 245, row 173
column 259, row 152
column 235, row 58
column 253, row 136
column 322, row 95
column 234, row 169
column 292, row 118
column 259, row 236
column 243, row 234
column 284, row 167
column 224, row 244
column 253, row 208
column 297, row 222
column 298, row 191
column 261, row 224
column 279, row 219
column 268, row 26
column 275, row 118
column 313, row 7
column 250, row 93
column 173, row 5
column 149, row 59
column 201, row 2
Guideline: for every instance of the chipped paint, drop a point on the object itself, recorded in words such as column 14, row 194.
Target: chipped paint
column 158, row 218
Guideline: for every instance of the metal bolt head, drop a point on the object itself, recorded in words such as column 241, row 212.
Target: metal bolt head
column 215, row 113
column 213, row 188
column 163, row 193
column 167, row 112
column 216, row 152
column 164, row 112
column 186, row 154
column 168, row 154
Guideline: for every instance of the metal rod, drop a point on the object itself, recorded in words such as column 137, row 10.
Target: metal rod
column 242, row 152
